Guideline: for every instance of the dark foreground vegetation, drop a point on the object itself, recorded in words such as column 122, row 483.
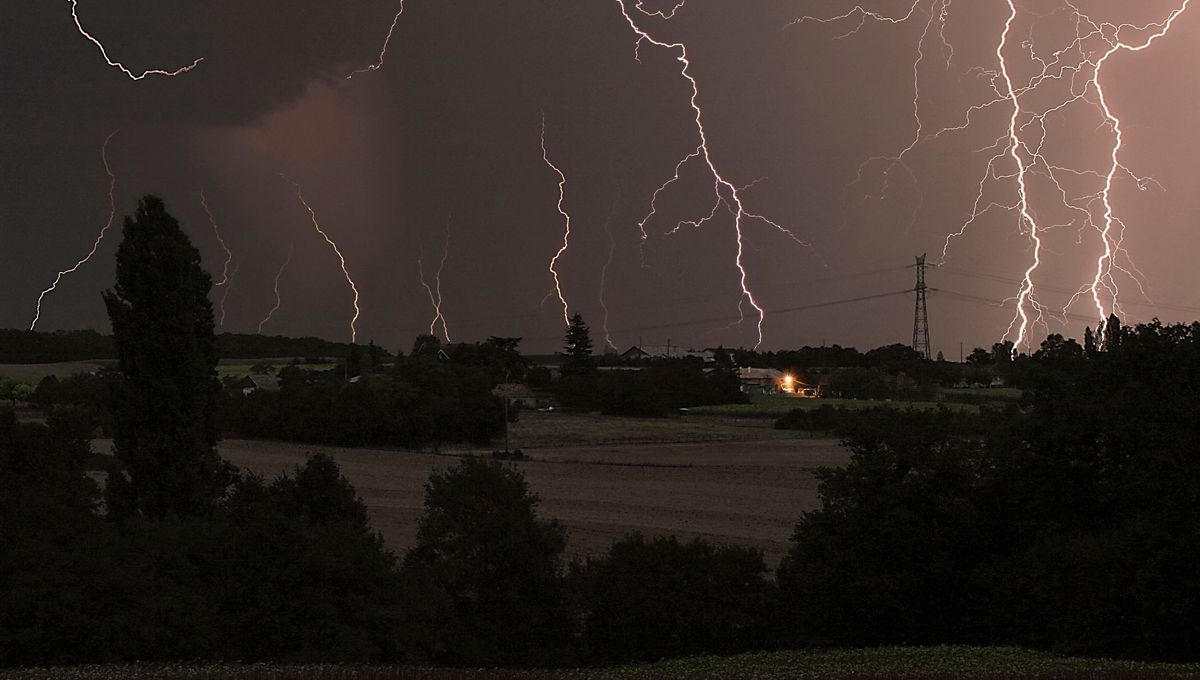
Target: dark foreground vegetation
column 991, row 663
column 1068, row 521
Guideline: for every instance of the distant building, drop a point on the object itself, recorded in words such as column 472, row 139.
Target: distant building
column 257, row 381
column 518, row 394
column 635, row 353
column 643, row 352
column 513, row 391
column 772, row 381
column 761, row 380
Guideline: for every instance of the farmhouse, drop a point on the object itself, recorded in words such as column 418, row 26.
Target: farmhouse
column 643, row 352
column 772, row 381
column 258, row 381
column 517, row 394
column 635, row 353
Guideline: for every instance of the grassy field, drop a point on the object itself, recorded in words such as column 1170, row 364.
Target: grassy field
column 765, row 406
column 887, row 662
column 728, row 480
column 989, row 393
column 238, row 368
column 32, row 374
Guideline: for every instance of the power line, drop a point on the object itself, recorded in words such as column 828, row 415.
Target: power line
column 769, row 312
column 674, row 302
column 958, row 271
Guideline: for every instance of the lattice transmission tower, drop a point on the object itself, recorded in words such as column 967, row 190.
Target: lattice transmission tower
column 920, row 341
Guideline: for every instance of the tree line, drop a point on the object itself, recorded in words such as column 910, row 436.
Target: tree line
column 1067, row 524
column 38, row 347
column 1070, row 522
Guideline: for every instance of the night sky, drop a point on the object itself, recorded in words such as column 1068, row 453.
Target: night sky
column 444, row 139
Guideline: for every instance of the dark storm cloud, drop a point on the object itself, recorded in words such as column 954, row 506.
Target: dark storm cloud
column 258, row 55
column 451, row 123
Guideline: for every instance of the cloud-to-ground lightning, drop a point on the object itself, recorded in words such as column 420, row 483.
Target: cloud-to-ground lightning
column 612, row 248
column 220, row 240
column 112, row 212
column 383, row 50
column 337, row 251
column 225, row 293
column 278, row 300
column 566, row 242
column 118, row 65
column 435, row 291
column 1065, row 78
column 1105, row 264
column 726, row 194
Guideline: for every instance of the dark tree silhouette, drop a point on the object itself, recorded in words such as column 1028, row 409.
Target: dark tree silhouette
column 165, row 407
column 578, row 348
column 482, row 545
column 659, row 598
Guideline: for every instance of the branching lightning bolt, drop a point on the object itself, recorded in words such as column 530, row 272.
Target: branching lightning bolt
column 119, row 65
column 1105, row 263
column 383, row 51
column 1018, row 154
column 663, row 14
column 278, row 300
column 217, row 232
column 1014, row 149
column 337, row 251
column 225, row 293
column 566, row 243
column 435, row 291
column 612, row 247
column 112, row 212
column 727, row 196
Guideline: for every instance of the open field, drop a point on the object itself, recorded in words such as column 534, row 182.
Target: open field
column 992, row 393
column 238, row 368
column 32, row 374
column 886, row 662
column 765, row 406
column 727, row 480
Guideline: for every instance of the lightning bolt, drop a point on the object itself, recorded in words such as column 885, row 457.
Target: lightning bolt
column 278, row 300
column 112, row 211
column 225, row 294
column 119, row 65
column 337, row 251
column 217, row 231
column 662, row 14
column 566, row 243
column 1018, row 155
column 1105, row 264
column 1027, row 219
column 435, row 291
column 383, row 51
column 612, row 247
column 726, row 195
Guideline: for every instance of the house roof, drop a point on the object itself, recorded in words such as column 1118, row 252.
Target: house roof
column 746, row 373
column 261, row 382
column 513, row 391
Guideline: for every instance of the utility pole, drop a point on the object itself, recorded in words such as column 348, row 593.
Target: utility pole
column 920, row 341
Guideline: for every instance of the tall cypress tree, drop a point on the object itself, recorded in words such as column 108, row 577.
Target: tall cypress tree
column 577, row 351
column 165, row 408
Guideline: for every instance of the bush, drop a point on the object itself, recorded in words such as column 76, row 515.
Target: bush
column 654, row 599
column 481, row 546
